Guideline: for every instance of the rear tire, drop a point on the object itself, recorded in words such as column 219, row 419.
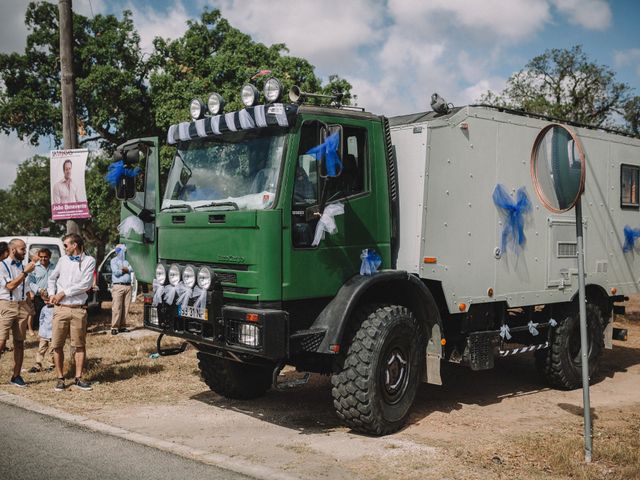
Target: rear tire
column 561, row 364
column 234, row 380
column 377, row 384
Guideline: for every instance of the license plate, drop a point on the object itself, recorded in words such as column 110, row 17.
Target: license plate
column 193, row 312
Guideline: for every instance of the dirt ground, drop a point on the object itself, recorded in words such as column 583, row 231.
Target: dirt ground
column 501, row 423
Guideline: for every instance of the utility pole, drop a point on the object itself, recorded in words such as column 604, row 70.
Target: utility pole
column 67, row 86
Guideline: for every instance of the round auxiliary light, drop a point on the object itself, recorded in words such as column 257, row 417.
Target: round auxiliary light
column 272, row 90
column 215, row 103
column 174, row 274
column 249, row 95
column 189, row 276
column 204, row 278
column 161, row 274
column 196, row 108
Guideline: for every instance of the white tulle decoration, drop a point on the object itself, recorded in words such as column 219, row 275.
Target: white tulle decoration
column 131, row 223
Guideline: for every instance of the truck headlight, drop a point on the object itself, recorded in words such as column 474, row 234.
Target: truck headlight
column 249, row 95
column 161, row 274
column 215, row 104
column 196, row 109
column 174, row 274
column 272, row 90
column 189, row 276
column 249, row 335
column 204, row 278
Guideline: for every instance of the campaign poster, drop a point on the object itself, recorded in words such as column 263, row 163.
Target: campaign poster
column 68, row 193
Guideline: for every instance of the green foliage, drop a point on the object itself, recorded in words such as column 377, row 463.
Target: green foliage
column 632, row 115
column 26, row 205
column 112, row 97
column 564, row 84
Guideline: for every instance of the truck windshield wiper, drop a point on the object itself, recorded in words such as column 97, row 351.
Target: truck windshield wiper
column 219, row 204
column 181, row 205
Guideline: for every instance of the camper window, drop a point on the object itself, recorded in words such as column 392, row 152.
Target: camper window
column 629, row 176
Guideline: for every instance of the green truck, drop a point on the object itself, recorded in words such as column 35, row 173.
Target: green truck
column 370, row 249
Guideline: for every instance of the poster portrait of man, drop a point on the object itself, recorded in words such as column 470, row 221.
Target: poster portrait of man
column 68, row 196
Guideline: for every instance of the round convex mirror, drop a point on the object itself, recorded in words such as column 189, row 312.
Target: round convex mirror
column 558, row 167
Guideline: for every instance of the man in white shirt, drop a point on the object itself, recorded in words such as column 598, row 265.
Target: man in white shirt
column 14, row 310
column 65, row 191
column 67, row 289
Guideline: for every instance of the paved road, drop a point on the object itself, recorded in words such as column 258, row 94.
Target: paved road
column 35, row 446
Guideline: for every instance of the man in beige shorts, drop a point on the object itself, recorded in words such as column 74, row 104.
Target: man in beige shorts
column 67, row 289
column 14, row 310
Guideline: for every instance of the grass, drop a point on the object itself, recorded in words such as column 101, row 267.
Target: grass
column 119, row 366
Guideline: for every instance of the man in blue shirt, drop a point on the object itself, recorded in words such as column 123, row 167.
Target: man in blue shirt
column 38, row 281
column 121, row 273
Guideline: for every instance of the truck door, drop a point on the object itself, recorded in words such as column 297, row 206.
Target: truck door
column 142, row 248
column 319, row 271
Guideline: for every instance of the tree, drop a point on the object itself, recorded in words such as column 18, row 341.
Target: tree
column 113, row 100
column 564, row 84
column 632, row 115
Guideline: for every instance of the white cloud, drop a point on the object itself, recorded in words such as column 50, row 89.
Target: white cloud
column 14, row 152
column 328, row 33
column 13, row 34
column 626, row 58
column 515, row 19
column 150, row 22
column 591, row 14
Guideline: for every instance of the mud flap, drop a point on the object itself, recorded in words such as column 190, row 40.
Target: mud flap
column 434, row 355
column 608, row 335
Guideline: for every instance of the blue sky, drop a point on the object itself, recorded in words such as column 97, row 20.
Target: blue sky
column 395, row 53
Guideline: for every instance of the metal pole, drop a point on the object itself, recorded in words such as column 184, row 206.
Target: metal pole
column 67, row 86
column 584, row 347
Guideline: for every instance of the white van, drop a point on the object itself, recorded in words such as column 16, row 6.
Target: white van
column 36, row 243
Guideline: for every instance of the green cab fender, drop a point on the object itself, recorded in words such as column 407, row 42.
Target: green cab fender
column 387, row 286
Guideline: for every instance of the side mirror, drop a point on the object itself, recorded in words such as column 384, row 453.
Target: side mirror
column 126, row 188
column 126, row 183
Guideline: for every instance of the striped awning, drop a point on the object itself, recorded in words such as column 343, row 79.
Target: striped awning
column 260, row 116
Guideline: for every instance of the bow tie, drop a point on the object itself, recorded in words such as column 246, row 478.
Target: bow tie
column 17, row 263
column 74, row 258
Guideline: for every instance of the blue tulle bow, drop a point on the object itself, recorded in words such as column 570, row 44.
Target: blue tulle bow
column 117, row 170
column 630, row 235
column 370, row 262
column 513, row 230
column 329, row 151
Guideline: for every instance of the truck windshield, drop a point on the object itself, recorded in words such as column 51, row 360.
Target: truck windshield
column 239, row 171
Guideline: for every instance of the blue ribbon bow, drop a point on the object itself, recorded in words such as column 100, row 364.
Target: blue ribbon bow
column 513, row 230
column 329, row 151
column 117, row 171
column 17, row 263
column 74, row 258
column 370, row 262
column 630, row 235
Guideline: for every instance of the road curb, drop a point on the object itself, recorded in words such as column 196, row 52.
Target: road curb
column 216, row 459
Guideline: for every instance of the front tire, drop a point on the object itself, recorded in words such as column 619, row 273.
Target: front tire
column 561, row 364
column 377, row 384
column 234, row 380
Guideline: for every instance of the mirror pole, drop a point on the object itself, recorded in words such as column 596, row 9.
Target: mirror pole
column 584, row 347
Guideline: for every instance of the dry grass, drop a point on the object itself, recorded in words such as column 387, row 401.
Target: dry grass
column 120, row 367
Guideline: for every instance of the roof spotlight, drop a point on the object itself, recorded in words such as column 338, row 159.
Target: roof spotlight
column 215, row 103
column 196, row 108
column 249, row 95
column 272, row 90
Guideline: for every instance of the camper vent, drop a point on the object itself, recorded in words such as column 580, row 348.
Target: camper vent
column 601, row 266
column 567, row 249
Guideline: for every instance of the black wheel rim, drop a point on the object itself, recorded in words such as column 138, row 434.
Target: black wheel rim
column 395, row 373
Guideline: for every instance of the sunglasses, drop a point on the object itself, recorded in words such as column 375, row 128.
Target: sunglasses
column 67, row 245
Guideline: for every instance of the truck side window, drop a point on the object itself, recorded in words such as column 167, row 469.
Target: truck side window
column 351, row 180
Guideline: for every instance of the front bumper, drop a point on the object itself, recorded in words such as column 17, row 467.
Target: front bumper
column 248, row 331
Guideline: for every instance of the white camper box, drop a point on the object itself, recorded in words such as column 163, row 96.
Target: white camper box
column 448, row 167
